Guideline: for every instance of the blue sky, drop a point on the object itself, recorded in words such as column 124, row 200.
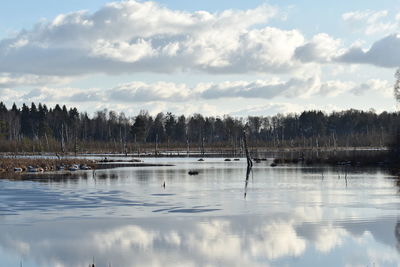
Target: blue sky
column 239, row 57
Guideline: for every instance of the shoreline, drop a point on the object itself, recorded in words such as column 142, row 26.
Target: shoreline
column 10, row 166
column 207, row 152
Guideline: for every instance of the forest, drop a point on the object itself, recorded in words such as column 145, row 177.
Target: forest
column 38, row 128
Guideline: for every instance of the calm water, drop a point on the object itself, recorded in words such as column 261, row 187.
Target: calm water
column 290, row 216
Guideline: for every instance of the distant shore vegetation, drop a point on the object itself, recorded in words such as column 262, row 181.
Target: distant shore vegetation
column 38, row 128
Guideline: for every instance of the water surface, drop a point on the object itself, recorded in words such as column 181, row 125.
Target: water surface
column 284, row 216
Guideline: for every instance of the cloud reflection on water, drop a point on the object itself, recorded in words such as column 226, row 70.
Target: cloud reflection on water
column 192, row 241
column 305, row 219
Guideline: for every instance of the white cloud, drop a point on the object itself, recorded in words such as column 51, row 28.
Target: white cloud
column 142, row 92
column 179, row 97
column 321, row 48
column 339, row 70
column 380, row 86
column 123, row 51
column 369, row 21
column 130, row 36
column 8, row 80
column 10, row 95
column 293, row 88
column 47, row 94
column 261, row 89
column 334, row 88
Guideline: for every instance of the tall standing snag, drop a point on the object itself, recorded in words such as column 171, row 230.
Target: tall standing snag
column 62, row 139
column 249, row 161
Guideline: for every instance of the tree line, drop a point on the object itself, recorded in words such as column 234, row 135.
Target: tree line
column 39, row 128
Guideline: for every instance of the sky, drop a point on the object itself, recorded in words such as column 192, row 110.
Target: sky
column 210, row 57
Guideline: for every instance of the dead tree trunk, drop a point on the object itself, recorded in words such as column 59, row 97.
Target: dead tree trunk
column 76, row 144
column 202, row 146
column 249, row 161
column 47, row 142
column 187, row 146
column 62, row 138
column 156, row 146
column 125, row 142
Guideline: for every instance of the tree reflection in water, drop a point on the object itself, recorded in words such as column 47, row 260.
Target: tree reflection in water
column 247, row 180
column 397, row 235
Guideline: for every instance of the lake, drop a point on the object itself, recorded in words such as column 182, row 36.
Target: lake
column 289, row 215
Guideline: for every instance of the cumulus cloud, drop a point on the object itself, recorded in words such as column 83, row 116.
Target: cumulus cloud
column 369, row 21
column 383, row 53
column 321, row 48
column 131, row 36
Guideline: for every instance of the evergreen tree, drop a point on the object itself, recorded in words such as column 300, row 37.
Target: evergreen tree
column 26, row 124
